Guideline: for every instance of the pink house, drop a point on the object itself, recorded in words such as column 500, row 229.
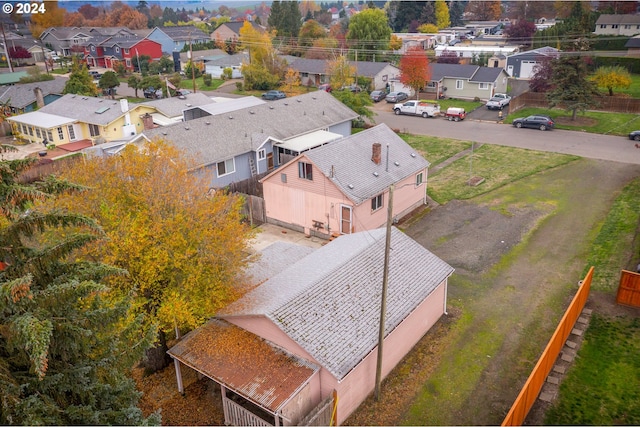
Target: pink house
column 307, row 338
column 343, row 187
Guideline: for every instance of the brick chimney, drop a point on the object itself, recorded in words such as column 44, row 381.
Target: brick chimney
column 147, row 121
column 376, row 155
column 39, row 97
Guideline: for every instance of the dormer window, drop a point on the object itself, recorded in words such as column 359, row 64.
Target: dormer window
column 126, row 51
column 93, row 48
column 117, row 49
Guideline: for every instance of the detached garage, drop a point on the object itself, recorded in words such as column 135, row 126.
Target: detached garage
column 521, row 65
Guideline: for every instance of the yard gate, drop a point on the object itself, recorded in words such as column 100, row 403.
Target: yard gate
column 629, row 289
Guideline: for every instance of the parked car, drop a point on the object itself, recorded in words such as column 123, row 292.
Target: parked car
column 417, row 108
column 152, row 93
column 635, row 135
column 96, row 75
column 325, row 87
column 455, row 114
column 182, row 92
column 498, row 101
column 353, row 88
column 395, row 97
column 274, row 94
column 378, row 95
column 534, row 122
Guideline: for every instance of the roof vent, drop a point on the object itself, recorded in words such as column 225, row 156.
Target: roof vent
column 413, row 154
column 299, row 100
column 188, row 105
column 186, row 128
column 164, row 133
column 182, row 97
column 350, row 186
column 285, row 103
column 270, row 107
column 375, row 174
column 396, row 163
column 251, row 112
column 230, row 117
column 208, row 123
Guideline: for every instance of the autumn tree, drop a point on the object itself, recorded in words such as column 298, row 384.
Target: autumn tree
column 80, row 81
column 122, row 15
column 521, row 32
column 442, row 14
column 395, row 42
column 310, row 32
column 414, row 69
column 322, row 48
column 448, row 57
column 341, row 72
column 291, row 79
column 109, row 81
column 266, row 68
column 571, row 85
column 182, row 248
column 369, row 32
column 481, row 10
column 66, row 343
column 88, row 11
column 54, row 17
column 428, row 29
column 612, row 77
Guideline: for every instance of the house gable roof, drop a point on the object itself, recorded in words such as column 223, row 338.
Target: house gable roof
column 319, row 66
column 473, row 73
column 487, row 74
column 347, row 162
column 85, row 109
column 22, row 95
column 618, row 19
column 542, row 51
column 184, row 33
column 633, row 42
column 215, row 138
column 329, row 302
column 236, row 25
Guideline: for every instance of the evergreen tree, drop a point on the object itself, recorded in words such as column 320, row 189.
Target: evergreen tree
column 65, row 345
column 80, row 82
column 109, row 81
column 456, row 10
column 571, row 85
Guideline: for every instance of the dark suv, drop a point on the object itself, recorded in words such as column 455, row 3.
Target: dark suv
column 535, row 122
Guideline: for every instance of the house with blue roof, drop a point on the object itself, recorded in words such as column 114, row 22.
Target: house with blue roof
column 308, row 337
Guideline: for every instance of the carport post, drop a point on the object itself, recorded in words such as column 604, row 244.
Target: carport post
column 178, row 376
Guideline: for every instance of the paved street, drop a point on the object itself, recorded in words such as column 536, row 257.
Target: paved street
column 596, row 146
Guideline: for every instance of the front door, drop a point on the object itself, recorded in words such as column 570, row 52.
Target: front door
column 345, row 219
column 270, row 161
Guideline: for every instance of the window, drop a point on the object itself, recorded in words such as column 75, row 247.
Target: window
column 419, row 179
column 376, row 202
column 305, row 75
column 305, row 171
column 431, row 84
column 72, row 133
column 117, row 49
column 60, row 134
column 461, row 54
column 262, row 154
column 49, row 135
column 603, row 26
column 30, row 131
column 459, row 84
column 94, row 130
column 93, row 48
column 627, row 27
column 483, row 86
column 128, row 62
column 615, row 26
column 24, row 129
column 283, row 177
column 226, row 167
column 38, row 133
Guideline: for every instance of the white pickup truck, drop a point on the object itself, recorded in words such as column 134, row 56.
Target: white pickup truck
column 498, row 101
column 417, row 108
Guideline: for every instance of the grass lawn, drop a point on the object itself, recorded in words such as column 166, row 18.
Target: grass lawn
column 633, row 90
column 434, row 149
column 452, row 102
column 590, row 121
column 188, row 84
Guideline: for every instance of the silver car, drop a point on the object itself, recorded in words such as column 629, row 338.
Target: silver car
column 395, row 97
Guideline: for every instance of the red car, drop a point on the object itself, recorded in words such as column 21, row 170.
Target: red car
column 325, row 87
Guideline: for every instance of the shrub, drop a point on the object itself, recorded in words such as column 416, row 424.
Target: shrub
column 240, row 86
column 227, row 73
column 206, row 78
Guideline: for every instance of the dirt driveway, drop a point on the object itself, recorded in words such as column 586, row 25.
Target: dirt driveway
column 519, row 253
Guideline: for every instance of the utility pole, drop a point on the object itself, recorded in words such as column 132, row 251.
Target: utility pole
column 6, row 48
column 193, row 64
column 383, row 303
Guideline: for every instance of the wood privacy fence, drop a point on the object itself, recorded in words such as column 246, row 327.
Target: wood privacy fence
column 629, row 289
column 532, row 387
column 606, row 103
column 324, row 414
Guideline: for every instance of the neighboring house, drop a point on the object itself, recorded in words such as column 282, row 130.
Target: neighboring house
column 216, row 65
column 466, row 81
column 467, row 53
column 497, row 61
column 618, row 25
column 79, row 119
column 521, row 65
column 311, row 331
column 343, row 187
column 168, row 111
column 425, row 41
column 633, row 46
column 173, row 39
column 199, row 57
column 239, row 145
column 313, row 72
column 106, row 51
column 22, row 98
column 63, row 39
column 231, row 31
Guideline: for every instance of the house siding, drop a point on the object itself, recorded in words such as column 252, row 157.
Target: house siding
column 165, row 41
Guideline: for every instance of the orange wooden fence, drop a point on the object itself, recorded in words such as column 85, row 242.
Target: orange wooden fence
column 629, row 289
column 532, row 387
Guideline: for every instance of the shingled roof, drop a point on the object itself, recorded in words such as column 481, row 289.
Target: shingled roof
column 329, row 302
column 319, row 66
column 214, row 138
column 347, row 162
column 86, row 109
column 22, row 95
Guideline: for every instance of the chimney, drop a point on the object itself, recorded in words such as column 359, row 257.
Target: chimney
column 39, row 97
column 147, row 121
column 124, row 105
column 376, row 156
